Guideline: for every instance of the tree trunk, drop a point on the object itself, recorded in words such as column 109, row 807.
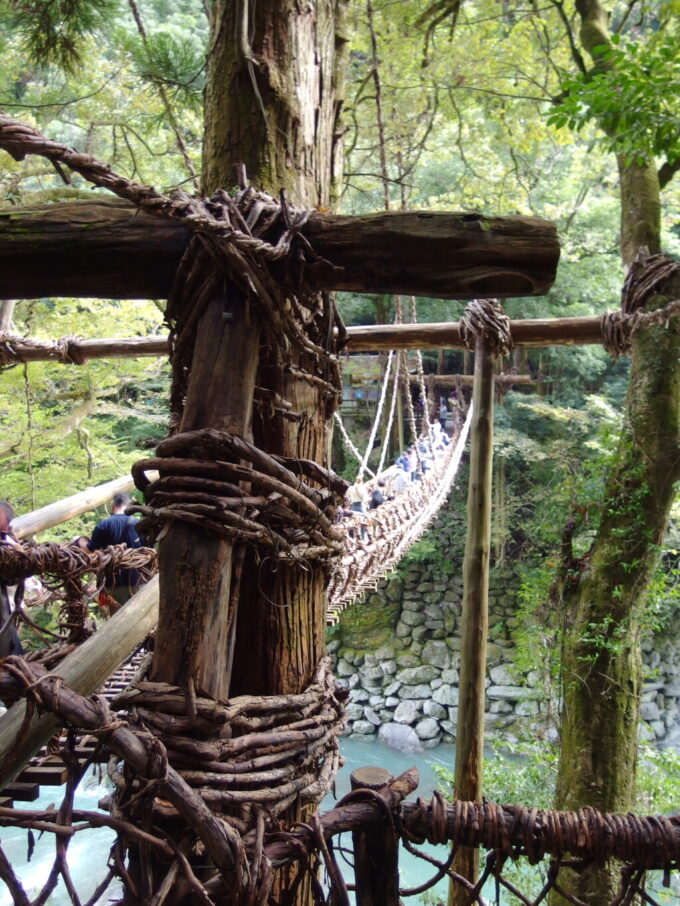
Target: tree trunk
column 602, row 658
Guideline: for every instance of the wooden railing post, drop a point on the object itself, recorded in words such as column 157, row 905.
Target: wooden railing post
column 475, row 622
column 376, row 849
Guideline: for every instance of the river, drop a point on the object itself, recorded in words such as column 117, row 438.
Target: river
column 88, row 852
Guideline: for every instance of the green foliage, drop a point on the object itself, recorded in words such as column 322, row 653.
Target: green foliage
column 65, row 428
column 632, row 94
column 173, row 62
column 55, row 31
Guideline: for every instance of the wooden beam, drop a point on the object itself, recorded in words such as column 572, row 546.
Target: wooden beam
column 62, row 510
column 107, row 248
column 84, row 671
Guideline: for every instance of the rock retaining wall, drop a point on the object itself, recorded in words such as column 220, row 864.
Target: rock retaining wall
column 404, row 676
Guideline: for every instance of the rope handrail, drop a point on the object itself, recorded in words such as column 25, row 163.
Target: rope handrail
column 391, row 529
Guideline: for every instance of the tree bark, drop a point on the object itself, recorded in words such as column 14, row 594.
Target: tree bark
column 107, row 248
column 602, row 658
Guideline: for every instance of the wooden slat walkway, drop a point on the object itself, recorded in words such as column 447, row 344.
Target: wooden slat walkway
column 48, row 769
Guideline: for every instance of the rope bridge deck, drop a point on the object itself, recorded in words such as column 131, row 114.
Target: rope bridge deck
column 374, row 542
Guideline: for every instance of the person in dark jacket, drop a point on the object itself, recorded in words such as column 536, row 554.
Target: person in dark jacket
column 118, row 528
column 378, row 495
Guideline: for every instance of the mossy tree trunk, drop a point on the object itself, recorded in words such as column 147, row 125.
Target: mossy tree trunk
column 605, row 599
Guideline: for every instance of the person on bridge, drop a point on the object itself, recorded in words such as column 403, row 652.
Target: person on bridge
column 118, row 528
column 378, row 495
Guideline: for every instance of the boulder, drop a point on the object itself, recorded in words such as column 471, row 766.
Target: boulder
column 400, row 737
column 392, row 689
column 433, row 709
column 406, row 712
column 437, row 654
column 411, row 606
column 502, row 675
column 412, row 618
column 417, row 692
column 422, row 674
column 427, row 728
column 344, row 668
column 394, row 590
column 389, row 668
column 372, row 717
column 649, row 711
column 446, row 695
column 514, row 693
column 362, row 728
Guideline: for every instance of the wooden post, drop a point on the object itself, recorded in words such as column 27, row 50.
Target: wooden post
column 475, row 622
column 376, row 849
column 194, row 632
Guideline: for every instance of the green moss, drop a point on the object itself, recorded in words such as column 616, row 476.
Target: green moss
column 366, row 625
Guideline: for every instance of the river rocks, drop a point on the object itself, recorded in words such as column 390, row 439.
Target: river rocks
column 406, row 712
column 437, row 654
column 414, row 675
column 400, row 737
column 405, row 687
column 412, row 618
column 446, row 695
column 433, row 709
column 372, row 717
column 427, row 728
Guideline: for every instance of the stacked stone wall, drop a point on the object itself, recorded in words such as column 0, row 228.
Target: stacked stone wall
column 404, row 679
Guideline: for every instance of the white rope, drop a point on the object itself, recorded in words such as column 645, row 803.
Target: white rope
column 390, row 420
column 349, row 443
column 426, row 429
column 378, row 415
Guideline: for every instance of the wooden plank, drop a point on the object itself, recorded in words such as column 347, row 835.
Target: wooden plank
column 49, row 773
column 106, row 247
column 22, row 792
column 84, row 671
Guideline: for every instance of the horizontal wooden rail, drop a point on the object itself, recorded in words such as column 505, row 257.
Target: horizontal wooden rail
column 83, row 671
column 62, row 510
column 371, row 338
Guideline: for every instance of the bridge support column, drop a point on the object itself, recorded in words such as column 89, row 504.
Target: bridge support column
column 475, row 622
